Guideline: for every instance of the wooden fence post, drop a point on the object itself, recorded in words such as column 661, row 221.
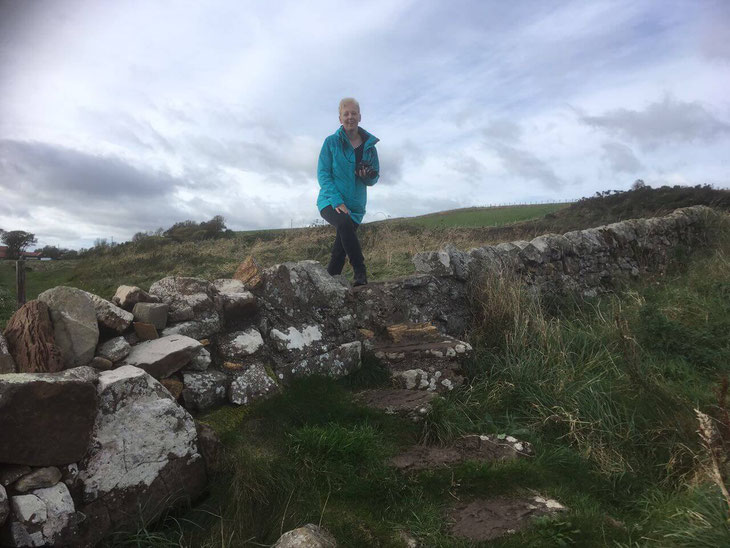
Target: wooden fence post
column 20, row 281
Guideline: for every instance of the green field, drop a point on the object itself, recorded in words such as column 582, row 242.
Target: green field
column 39, row 277
column 605, row 390
column 483, row 216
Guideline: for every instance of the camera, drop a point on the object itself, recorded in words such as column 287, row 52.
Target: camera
column 369, row 171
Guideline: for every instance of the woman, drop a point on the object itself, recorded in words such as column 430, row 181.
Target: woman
column 348, row 164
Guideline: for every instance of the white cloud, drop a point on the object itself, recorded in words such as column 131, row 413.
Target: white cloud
column 222, row 108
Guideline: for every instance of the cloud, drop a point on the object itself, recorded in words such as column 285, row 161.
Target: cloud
column 48, row 188
column 621, row 158
column 666, row 121
column 525, row 165
column 503, row 129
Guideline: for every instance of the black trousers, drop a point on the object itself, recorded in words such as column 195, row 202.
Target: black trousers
column 346, row 242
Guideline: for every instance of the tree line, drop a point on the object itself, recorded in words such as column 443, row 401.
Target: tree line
column 18, row 241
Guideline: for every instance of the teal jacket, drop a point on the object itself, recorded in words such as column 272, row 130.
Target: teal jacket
column 336, row 173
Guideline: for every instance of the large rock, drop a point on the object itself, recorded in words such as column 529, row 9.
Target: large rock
column 114, row 350
column 40, row 518
column 46, row 418
column 154, row 313
column 254, row 383
column 200, row 362
column 143, row 456
column 164, row 356
column 239, row 345
column 301, row 287
column 308, row 536
column 109, row 315
column 339, row 362
column 129, row 295
column 250, row 273
column 204, row 390
column 30, row 340
column 7, row 363
column 200, row 328
column 75, row 327
column 183, row 294
column 234, row 301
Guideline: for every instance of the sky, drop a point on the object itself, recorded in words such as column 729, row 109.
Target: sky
column 123, row 116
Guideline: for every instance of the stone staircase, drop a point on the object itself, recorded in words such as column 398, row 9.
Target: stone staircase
column 419, row 356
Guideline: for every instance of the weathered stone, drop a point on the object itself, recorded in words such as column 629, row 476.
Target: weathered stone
column 101, row 363
column 75, row 327
column 145, row 331
column 200, row 362
column 142, row 458
column 240, row 344
column 295, row 339
column 210, row 445
column 204, row 390
column 7, row 363
column 181, row 293
column 339, row 362
column 182, row 313
column 407, row 332
column 293, row 288
column 109, row 315
column 154, row 313
column 173, row 386
column 114, row 350
column 436, row 263
column 37, row 479
column 128, row 295
column 40, row 518
column 30, row 340
column 200, row 328
column 250, row 273
column 308, row 536
column 233, row 300
column 252, row 384
column 4, row 505
column 10, row 473
column 163, row 357
column 46, row 418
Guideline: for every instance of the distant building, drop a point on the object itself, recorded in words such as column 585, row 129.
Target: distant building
column 32, row 255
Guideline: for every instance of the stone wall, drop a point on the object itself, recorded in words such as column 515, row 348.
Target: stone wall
column 96, row 395
column 585, row 262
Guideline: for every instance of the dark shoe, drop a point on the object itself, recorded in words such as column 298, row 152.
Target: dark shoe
column 360, row 279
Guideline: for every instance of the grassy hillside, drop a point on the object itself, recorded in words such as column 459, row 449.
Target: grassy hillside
column 604, row 389
column 482, row 216
column 388, row 245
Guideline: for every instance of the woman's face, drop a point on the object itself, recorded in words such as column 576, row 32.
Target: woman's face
column 350, row 116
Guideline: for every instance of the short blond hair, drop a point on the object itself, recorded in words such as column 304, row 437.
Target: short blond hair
column 347, row 101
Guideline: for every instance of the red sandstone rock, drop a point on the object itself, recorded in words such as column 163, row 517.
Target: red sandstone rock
column 31, row 342
column 250, row 273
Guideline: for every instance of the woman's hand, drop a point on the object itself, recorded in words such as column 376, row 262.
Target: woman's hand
column 342, row 208
column 362, row 172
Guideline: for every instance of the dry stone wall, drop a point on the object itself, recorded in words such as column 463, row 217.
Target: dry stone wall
column 584, row 262
column 96, row 396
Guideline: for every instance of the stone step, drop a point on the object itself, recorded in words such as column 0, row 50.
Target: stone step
column 483, row 520
column 410, row 403
column 488, row 448
column 420, row 357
